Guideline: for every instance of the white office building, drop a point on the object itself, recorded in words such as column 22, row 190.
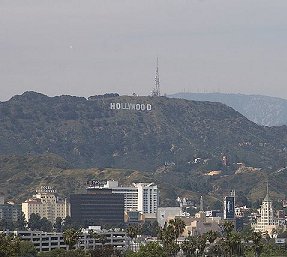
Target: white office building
column 142, row 197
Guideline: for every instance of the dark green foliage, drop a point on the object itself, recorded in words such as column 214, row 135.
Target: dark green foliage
column 105, row 251
column 58, row 225
column 150, row 250
column 46, row 225
column 38, row 223
column 21, row 222
column 150, row 228
column 71, row 237
column 189, row 246
column 64, row 253
column 34, row 222
column 27, row 249
column 169, row 235
column 13, row 247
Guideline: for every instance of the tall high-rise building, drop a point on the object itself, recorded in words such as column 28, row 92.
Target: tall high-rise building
column 147, row 197
column 46, row 203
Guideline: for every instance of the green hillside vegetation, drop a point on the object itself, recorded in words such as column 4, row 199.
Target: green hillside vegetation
column 87, row 133
column 21, row 175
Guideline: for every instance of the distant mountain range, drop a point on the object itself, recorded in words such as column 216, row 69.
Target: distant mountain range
column 142, row 133
column 263, row 110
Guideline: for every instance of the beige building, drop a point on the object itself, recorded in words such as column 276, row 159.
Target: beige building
column 201, row 224
column 267, row 222
column 46, row 204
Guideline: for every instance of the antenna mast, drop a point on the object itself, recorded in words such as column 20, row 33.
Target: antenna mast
column 156, row 90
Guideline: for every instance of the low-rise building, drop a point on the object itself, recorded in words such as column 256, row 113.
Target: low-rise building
column 165, row 214
column 47, row 241
column 116, row 238
column 201, row 224
column 43, row 241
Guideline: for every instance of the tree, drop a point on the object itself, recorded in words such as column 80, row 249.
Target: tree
column 228, row 227
column 150, row 228
column 53, row 253
column 211, row 236
column 178, row 225
column 151, row 249
column 168, row 237
column 65, row 253
column 67, row 223
column 71, row 237
column 11, row 246
column 38, row 223
column 133, row 231
column 234, row 244
column 257, row 243
column 201, row 243
column 27, row 249
column 93, row 234
column 34, row 222
column 46, row 225
column 106, row 251
column 8, row 246
column 21, row 223
column 58, row 225
column 189, row 246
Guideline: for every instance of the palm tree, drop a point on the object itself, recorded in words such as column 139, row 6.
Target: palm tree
column 234, row 244
column 71, row 237
column 228, row 227
column 133, row 231
column 178, row 225
column 94, row 235
column 256, row 238
column 201, row 244
column 167, row 236
column 211, row 236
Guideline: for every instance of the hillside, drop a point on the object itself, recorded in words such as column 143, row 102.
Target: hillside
column 21, row 175
column 263, row 110
column 87, row 133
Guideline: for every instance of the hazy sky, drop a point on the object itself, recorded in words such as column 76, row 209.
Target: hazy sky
column 88, row 47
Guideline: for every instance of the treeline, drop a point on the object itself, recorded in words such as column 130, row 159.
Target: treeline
column 37, row 223
column 228, row 243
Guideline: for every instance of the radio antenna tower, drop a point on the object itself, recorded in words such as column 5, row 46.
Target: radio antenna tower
column 156, row 90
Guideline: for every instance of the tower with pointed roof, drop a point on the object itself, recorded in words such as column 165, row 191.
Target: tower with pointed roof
column 267, row 221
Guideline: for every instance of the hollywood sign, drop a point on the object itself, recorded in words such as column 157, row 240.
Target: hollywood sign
column 130, row 106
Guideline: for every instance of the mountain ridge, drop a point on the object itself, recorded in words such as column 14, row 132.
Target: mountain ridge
column 89, row 133
column 263, row 110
